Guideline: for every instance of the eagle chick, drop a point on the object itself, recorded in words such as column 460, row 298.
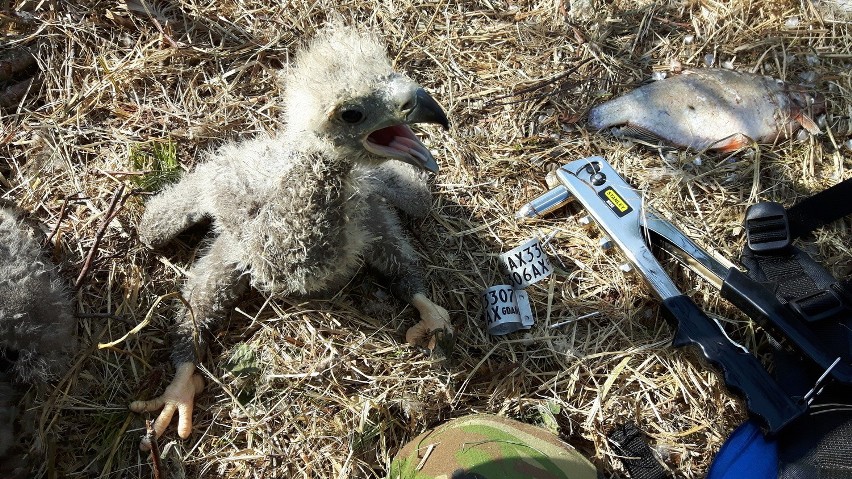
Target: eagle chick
column 36, row 315
column 300, row 210
column 36, row 320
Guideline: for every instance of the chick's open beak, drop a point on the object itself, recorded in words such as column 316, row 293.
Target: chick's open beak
column 397, row 141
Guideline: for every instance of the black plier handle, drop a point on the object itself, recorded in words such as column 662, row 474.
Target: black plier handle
column 617, row 208
column 749, row 296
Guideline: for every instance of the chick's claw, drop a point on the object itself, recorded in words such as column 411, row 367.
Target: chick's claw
column 179, row 396
column 434, row 328
column 421, row 335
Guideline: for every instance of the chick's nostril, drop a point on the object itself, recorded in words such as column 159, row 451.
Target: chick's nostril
column 408, row 105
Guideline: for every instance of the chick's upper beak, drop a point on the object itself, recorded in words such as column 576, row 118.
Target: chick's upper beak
column 422, row 108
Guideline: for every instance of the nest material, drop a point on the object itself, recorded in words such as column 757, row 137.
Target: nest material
column 327, row 388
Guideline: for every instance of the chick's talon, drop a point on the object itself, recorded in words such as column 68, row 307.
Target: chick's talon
column 179, row 396
column 418, row 335
column 434, row 324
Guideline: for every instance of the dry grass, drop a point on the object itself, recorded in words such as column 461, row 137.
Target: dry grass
column 328, row 389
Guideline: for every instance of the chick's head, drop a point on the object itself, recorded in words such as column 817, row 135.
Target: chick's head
column 343, row 88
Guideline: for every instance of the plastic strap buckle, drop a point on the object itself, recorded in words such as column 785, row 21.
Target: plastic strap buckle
column 767, row 228
column 820, row 305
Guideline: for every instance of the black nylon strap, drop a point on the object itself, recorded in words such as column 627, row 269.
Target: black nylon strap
column 816, row 445
column 800, row 282
column 796, row 274
column 820, row 209
column 635, row 454
column 846, row 287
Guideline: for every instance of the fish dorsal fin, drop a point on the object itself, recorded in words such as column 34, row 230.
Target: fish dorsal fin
column 807, row 123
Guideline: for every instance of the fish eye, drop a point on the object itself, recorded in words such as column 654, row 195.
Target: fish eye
column 351, row 115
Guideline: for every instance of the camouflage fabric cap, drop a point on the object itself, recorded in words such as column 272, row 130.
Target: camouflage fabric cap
column 489, row 447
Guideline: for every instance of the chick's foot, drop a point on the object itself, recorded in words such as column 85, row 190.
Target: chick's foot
column 434, row 326
column 179, row 396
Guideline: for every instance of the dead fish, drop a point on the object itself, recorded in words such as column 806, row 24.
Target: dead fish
column 711, row 109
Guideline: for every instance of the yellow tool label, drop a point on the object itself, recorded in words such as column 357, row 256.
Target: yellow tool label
column 615, row 202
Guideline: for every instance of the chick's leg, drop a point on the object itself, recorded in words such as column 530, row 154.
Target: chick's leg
column 433, row 319
column 392, row 255
column 175, row 209
column 213, row 288
column 403, row 186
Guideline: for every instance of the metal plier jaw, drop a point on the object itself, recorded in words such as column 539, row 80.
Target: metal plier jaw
column 618, row 210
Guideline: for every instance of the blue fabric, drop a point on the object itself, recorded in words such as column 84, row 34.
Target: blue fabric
column 747, row 455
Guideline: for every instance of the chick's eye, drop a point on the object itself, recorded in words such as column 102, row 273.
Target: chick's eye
column 351, row 116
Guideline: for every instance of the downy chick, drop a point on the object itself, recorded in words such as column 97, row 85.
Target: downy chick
column 36, row 324
column 36, row 315
column 299, row 211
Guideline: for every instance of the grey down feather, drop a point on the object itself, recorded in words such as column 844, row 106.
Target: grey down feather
column 36, row 315
column 36, row 318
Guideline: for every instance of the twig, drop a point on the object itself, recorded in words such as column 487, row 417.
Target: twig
column 63, row 212
column 536, row 87
column 151, row 439
column 167, row 38
column 116, row 317
column 115, row 205
column 124, row 173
